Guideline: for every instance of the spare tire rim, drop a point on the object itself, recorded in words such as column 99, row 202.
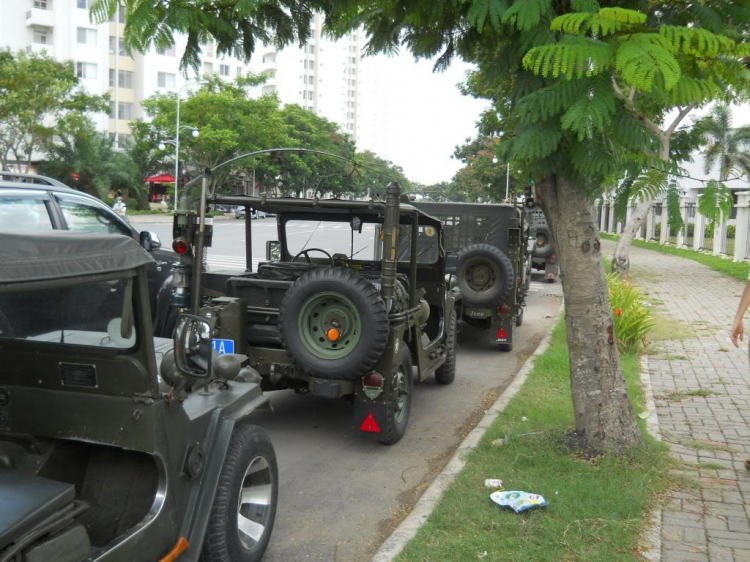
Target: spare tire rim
column 329, row 325
column 400, row 393
column 254, row 506
column 481, row 275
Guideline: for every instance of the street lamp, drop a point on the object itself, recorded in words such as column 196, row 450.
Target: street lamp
column 177, row 138
column 507, row 178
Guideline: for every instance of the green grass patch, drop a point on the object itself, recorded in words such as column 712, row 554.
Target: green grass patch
column 707, row 465
column 668, row 327
column 722, row 265
column 596, row 507
column 676, row 396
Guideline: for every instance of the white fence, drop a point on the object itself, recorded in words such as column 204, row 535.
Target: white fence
column 729, row 237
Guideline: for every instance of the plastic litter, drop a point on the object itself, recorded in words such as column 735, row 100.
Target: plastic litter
column 518, row 501
column 493, row 484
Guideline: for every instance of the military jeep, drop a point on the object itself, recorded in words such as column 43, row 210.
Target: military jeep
column 543, row 256
column 116, row 445
column 493, row 266
column 352, row 296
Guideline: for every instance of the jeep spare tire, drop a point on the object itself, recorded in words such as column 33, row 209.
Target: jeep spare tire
column 485, row 275
column 543, row 243
column 333, row 323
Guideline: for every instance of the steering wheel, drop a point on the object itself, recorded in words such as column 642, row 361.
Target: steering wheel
column 307, row 251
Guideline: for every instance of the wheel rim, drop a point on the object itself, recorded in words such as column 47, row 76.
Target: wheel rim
column 254, row 506
column 329, row 325
column 400, row 388
column 481, row 275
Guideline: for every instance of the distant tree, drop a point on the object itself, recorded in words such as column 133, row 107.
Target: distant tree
column 726, row 146
column 39, row 96
column 375, row 173
column 85, row 159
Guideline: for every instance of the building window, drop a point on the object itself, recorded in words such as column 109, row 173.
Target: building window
column 239, row 71
column 83, row 4
column 166, row 80
column 208, row 68
column 125, row 80
column 86, row 70
column 86, row 36
column 125, row 111
column 166, row 51
column 41, row 4
column 121, row 13
column 268, row 90
column 41, row 37
column 112, row 111
column 209, row 47
column 113, row 41
column 311, row 79
column 309, row 95
column 224, row 69
column 269, row 58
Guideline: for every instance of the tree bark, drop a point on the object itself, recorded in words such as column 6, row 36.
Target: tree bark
column 604, row 417
column 621, row 257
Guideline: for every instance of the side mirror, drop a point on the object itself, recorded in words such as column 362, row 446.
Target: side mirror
column 357, row 224
column 192, row 345
column 150, row 240
column 451, row 263
column 273, row 250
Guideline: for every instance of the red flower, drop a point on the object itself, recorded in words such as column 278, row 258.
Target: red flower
column 617, row 312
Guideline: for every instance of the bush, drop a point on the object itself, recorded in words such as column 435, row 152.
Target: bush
column 632, row 318
column 657, row 230
column 731, row 230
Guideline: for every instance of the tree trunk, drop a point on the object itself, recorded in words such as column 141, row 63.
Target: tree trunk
column 604, row 417
column 621, row 258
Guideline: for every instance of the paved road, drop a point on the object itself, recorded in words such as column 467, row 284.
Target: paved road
column 341, row 495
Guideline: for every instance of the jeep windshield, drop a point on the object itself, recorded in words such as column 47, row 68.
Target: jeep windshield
column 337, row 237
column 95, row 314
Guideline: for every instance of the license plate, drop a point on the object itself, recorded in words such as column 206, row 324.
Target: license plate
column 223, row 346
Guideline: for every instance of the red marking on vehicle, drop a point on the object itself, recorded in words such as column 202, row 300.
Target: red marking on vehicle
column 504, row 309
column 370, row 424
column 501, row 335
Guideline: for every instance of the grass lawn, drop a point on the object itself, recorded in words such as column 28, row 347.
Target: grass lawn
column 723, row 265
column 596, row 507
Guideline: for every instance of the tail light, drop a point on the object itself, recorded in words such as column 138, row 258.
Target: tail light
column 372, row 385
column 552, row 258
column 505, row 309
column 180, row 246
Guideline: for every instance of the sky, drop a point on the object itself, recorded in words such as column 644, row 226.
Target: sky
column 419, row 116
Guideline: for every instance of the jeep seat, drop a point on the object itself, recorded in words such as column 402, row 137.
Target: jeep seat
column 27, row 500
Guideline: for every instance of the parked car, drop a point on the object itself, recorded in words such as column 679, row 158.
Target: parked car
column 239, row 213
column 493, row 266
column 31, row 203
column 348, row 321
column 121, row 446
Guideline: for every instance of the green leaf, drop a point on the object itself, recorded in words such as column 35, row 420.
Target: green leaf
column 537, row 143
column 695, row 41
column 674, row 217
column 526, row 14
column 571, row 57
column 591, row 114
column 715, row 200
column 644, row 56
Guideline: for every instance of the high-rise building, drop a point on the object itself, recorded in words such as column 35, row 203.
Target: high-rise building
column 322, row 76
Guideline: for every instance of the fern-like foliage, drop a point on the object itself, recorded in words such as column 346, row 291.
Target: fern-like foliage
column 482, row 11
column 688, row 90
column 674, row 217
column 695, row 41
column 571, row 57
column 585, row 5
column 643, row 57
column 526, row 14
column 715, row 200
column 545, row 103
column 592, row 113
column 573, row 24
column 537, row 142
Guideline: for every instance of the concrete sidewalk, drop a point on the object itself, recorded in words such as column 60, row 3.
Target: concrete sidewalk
column 701, row 386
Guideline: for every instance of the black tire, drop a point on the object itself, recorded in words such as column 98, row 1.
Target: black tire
column 370, row 308
column 250, row 447
column 485, row 275
column 395, row 424
column 519, row 318
column 446, row 373
column 547, row 247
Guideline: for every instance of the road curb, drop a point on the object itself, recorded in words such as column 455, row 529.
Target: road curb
column 408, row 528
column 652, row 534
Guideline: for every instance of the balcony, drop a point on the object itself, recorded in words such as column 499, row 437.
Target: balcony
column 38, row 48
column 36, row 17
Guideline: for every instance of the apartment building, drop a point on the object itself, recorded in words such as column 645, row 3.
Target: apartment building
column 322, row 76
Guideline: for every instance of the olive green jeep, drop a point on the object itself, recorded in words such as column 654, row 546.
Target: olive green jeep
column 116, row 445
column 543, row 255
column 352, row 296
column 493, row 263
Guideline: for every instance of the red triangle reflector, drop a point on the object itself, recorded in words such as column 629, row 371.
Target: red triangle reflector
column 501, row 334
column 370, row 424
